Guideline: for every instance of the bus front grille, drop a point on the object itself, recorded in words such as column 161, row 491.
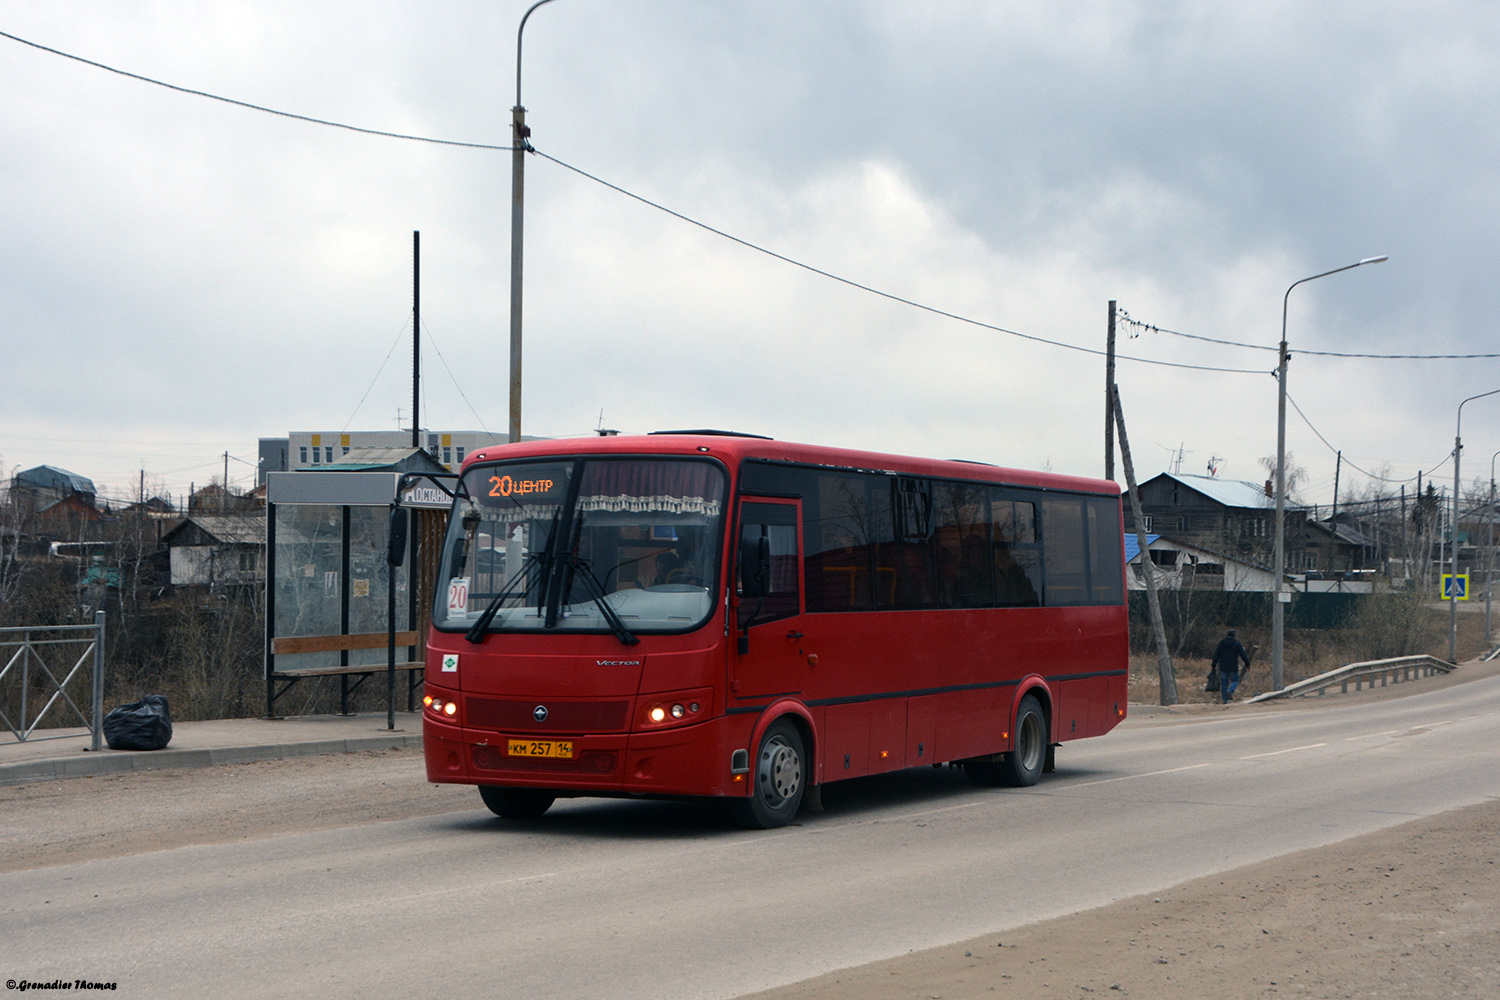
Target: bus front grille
column 514, row 716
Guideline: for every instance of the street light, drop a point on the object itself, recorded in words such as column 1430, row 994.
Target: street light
column 1458, row 447
column 518, row 149
column 1278, row 614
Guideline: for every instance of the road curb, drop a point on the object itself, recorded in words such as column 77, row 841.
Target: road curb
column 117, row 761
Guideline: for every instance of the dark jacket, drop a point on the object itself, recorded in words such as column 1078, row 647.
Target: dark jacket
column 1229, row 654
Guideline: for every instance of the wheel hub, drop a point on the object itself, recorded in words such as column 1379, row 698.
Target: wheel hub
column 780, row 771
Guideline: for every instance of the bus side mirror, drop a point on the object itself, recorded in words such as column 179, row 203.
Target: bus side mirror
column 395, row 553
column 755, row 567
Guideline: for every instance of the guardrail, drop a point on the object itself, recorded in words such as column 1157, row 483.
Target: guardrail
column 1366, row 674
column 25, row 650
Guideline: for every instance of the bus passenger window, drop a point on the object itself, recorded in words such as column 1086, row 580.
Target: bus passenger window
column 836, row 520
column 778, row 522
column 1017, row 562
column 1064, row 545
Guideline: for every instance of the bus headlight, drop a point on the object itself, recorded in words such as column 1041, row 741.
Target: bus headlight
column 441, row 707
column 677, row 708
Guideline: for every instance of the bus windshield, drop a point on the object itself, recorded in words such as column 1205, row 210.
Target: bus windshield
column 619, row 545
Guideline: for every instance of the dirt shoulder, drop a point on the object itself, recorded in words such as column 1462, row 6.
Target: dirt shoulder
column 1195, row 703
column 1412, row 911
column 83, row 819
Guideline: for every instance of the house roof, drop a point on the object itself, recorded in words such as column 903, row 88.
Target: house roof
column 1229, row 492
column 50, row 477
column 225, row 529
column 1133, row 549
column 1133, row 545
column 1341, row 532
column 405, row 459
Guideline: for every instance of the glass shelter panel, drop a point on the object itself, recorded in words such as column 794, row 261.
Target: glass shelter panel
column 368, row 575
column 309, row 540
column 324, row 590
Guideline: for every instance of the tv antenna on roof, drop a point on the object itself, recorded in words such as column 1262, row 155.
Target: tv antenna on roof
column 1179, row 455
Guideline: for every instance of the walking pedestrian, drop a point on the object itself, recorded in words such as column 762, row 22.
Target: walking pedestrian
column 1227, row 662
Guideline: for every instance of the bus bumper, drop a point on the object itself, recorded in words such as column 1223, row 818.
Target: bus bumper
column 691, row 760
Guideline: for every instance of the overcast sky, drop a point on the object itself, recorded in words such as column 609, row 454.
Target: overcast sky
column 180, row 276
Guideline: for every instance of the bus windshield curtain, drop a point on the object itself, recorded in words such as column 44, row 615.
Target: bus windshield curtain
column 674, row 487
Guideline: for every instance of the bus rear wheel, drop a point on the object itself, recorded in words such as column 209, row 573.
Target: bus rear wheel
column 778, row 779
column 1022, row 766
column 516, row 803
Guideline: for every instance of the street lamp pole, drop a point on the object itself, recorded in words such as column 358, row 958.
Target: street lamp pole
column 1489, row 570
column 519, row 147
column 1458, row 447
column 1278, row 612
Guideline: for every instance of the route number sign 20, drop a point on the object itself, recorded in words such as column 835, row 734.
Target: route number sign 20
column 458, row 595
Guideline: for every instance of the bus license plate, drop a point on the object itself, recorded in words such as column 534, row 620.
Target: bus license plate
column 540, row 748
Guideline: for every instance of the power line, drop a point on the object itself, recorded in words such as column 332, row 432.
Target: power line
column 375, row 379
column 246, row 104
column 629, row 194
column 1152, row 328
column 875, row 291
column 745, row 243
column 433, row 341
column 1347, row 462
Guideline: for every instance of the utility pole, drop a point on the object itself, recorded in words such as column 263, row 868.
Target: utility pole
column 520, row 133
column 1337, row 467
column 1405, row 547
column 1109, row 401
column 1489, row 569
column 416, row 340
column 1168, row 679
column 224, row 493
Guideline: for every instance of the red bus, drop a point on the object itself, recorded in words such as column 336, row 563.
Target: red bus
column 699, row 613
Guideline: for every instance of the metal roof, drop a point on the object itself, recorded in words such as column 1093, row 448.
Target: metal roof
column 50, row 477
column 1229, row 492
column 1133, row 546
column 226, row 529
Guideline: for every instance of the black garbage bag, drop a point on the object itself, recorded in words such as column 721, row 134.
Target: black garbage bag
column 140, row 725
column 1212, row 681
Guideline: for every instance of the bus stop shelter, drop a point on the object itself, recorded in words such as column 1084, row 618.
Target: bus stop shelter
column 334, row 602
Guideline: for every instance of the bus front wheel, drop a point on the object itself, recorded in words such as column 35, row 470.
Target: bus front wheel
column 1023, row 765
column 779, row 777
column 516, row 803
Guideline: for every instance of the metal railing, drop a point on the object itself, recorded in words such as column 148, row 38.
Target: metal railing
column 25, row 651
column 1370, row 673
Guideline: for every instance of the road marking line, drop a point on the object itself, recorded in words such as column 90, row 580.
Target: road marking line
column 1371, row 736
column 1127, row 777
column 1273, row 753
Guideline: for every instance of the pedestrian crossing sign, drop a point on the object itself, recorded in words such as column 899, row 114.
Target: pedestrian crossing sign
column 1456, row 587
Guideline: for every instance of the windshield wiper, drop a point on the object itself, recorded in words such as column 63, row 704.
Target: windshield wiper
column 596, row 591
column 521, row 579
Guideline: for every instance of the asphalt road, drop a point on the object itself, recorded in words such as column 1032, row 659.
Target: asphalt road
column 631, row 899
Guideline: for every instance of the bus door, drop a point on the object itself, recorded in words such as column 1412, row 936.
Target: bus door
column 772, row 658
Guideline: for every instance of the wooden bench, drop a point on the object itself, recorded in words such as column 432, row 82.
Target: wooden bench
column 290, row 644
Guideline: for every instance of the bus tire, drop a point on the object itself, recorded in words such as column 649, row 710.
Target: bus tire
column 1024, row 764
column 778, row 778
column 517, row 803
column 1022, row 767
